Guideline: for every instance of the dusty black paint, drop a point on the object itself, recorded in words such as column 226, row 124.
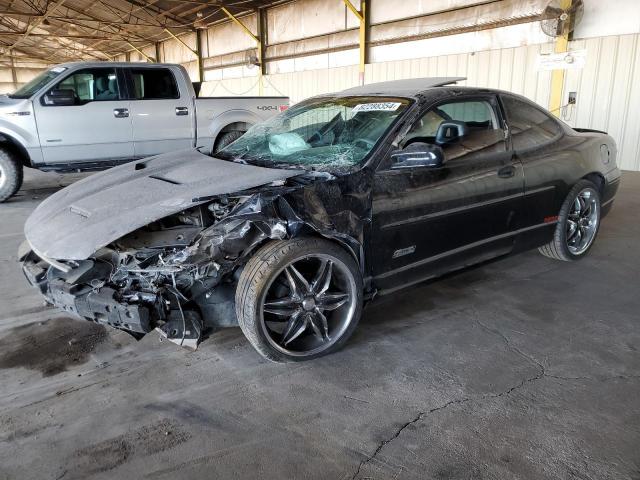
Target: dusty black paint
column 51, row 346
column 403, row 225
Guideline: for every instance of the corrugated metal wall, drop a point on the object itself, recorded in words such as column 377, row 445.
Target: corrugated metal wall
column 24, row 71
column 513, row 69
column 608, row 97
column 505, row 57
column 609, row 93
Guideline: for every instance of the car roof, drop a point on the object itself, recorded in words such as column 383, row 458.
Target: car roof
column 407, row 87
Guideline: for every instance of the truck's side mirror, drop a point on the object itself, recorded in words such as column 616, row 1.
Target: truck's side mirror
column 418, row 154
column 62, row 97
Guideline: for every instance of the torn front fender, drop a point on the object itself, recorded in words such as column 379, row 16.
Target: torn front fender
column 337, row 208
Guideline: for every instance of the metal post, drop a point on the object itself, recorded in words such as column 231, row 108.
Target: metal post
column 557, row 76
column 14, row 74
column 363, row 34
column 199, row 55
column 158, row 52
column 262, row 46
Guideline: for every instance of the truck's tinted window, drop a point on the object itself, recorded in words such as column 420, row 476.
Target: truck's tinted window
column 529, row 125
column 153, row 84
column 92, row 84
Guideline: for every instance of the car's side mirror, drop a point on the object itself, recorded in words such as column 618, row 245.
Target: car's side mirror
column 418, row 154
column 62, row 97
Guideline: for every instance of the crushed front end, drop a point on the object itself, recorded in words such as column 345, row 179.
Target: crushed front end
column 176, row 275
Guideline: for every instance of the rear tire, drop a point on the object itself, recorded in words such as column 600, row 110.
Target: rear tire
column 299, row 299
column 10, row 174
column 226, row 138
column 578, row 224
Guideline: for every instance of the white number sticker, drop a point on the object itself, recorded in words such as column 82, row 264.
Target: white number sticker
column 376, row 107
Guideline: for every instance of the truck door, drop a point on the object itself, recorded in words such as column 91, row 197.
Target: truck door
column 161, row 114
column 96, row 127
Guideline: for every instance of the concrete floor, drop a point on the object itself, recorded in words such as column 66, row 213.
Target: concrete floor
column 522, row 368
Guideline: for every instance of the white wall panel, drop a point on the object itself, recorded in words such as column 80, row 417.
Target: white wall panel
column 172, row 51
column 602, row 18
column 510, row 36
column 228, row 37
column 608, row 93
column 23, row 75
column 384, row 11
column 6, row 75
column 308, row 18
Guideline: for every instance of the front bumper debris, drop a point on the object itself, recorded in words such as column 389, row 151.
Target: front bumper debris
column 99, row 305
column 73, row 293
column 182, row 328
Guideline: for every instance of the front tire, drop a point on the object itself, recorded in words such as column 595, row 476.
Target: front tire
column 299, row 299
column 10, row 174
column 578, row 224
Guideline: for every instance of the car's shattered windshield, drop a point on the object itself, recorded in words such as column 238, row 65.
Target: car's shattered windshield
column 329, row 133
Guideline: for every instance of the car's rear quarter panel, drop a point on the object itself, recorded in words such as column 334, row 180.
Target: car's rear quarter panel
column 552, row 170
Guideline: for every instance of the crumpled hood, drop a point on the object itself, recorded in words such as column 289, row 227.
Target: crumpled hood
column 88, row 215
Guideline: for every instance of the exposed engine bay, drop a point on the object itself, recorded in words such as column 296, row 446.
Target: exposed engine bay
column 172, row 274
column 178, row 274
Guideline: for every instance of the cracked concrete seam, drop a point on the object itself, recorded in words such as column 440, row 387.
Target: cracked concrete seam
column 399, row 431
column 421, row 415
column 541, row 374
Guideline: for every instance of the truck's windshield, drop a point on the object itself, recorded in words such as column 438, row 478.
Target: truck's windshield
column 329, row 133
column 37, row 83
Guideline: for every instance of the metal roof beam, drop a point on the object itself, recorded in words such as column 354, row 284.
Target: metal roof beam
column 13, row 13
column 114, row 26
column 36, row 23
column 149, row 7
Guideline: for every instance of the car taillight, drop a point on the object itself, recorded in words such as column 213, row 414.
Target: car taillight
column 282, row 108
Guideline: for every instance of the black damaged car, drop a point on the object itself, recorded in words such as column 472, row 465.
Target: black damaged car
column 344, row 196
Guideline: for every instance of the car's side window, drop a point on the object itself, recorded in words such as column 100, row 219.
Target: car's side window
column 153, row 84
column 459, row 128
column 529, row 125
column 91, row 85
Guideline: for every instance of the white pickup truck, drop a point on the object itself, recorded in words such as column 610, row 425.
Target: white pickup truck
column 91, row 116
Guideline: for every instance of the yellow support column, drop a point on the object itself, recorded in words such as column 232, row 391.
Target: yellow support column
column 557, row 76
column 363, row 33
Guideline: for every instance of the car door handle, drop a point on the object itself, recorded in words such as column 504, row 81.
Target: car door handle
column 507, row 172
column 121, row 112
column 182, row 111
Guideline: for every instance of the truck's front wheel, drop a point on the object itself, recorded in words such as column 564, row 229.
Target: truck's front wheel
column 226, row 138
column 10, row 174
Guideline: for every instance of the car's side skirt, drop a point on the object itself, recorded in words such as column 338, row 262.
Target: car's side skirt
column 445, row 255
